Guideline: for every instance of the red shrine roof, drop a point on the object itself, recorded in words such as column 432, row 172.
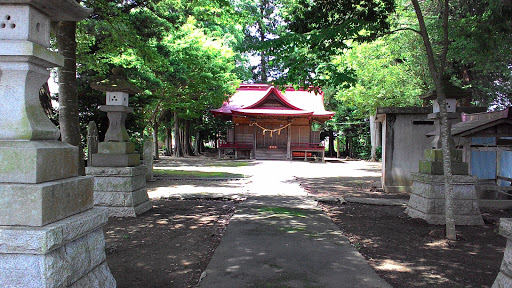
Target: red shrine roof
column 267, row 100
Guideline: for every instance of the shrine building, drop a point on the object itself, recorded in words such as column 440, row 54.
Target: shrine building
column 269, row 123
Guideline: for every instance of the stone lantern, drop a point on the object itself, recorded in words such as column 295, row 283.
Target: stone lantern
column 116, row 150
column 119, row 179
column 452, row 93
column 427, row 199
column 50, row 234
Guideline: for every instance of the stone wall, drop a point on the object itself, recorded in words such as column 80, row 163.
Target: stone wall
column 403, row 143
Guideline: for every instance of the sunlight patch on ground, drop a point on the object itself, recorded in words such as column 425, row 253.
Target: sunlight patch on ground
column 435, row 278
column 392, row 265
column 162, row 222
column 440, row 244
column 184, row 190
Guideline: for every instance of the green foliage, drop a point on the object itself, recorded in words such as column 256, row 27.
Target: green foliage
column 262, row 21
column 480, row 46
column 205, row 66
column 320, row 30
column 176, row 51
column 388, row 71
column 353, row 131
column 480, row 53
column 229, row 164
column 189, row 56
column 210, row 128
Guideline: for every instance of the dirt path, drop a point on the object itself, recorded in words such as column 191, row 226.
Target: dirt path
column 170, row 245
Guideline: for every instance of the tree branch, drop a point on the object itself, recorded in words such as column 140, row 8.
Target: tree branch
column 404, row 29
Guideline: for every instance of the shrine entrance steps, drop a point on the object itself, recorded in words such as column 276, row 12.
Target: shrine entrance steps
column 270, row 154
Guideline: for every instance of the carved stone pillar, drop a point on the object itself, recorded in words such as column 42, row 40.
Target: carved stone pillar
column 50, row 234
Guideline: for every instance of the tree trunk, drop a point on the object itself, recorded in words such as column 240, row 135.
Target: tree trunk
column 178, row 149
column 155, row 140
column 46, row 100
column 168, row 140
column 331, row 143
column 348, row 147
column 441, row 98
column 466, row 79
column 68, row 98
column 198, row 143
column 187, row 139
column 338, row 144
column 264, row 78
column 182, row 141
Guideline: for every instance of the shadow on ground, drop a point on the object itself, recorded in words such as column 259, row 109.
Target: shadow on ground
column 200, row 161
column 168, row 246
column 411, row 253
column 163, row 182
column 366, row 186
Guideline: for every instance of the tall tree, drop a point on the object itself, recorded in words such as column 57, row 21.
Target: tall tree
column 322, row 29
column 381, row 68
column 437, row 71
column 263, row 22
column 177, row 51
column 68, row 98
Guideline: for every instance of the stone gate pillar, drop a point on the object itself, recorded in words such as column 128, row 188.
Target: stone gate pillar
column 50, row 234
column 149, row 149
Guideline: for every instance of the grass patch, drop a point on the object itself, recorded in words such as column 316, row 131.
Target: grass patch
column 292, row 229
column 195, row 174
column 282, row 211
column 229, row 164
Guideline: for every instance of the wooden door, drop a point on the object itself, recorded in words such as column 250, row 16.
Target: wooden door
column 275, row 139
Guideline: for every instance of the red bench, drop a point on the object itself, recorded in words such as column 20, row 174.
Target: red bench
column 306, row 150
column 236, row 146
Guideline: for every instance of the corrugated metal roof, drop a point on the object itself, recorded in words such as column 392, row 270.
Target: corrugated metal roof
column 473, row 123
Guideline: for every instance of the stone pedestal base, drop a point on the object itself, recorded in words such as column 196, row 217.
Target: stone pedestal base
column 428, row 199
column 504, row 278
column 116, row 154
column 66, row 253
column 120, row 189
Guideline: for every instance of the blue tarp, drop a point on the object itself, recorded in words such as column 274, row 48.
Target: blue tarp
column 483, row 163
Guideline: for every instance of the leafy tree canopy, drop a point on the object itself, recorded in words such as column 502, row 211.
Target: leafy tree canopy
column 317, row 31
column 177, row 51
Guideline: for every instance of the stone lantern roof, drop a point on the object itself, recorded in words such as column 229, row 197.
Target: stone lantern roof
column 57, row 10
column 117, row 82
column 451, row 91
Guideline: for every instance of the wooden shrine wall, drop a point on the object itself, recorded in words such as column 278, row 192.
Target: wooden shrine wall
column 300, row 131
column 244, row 133
column 301, row 134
